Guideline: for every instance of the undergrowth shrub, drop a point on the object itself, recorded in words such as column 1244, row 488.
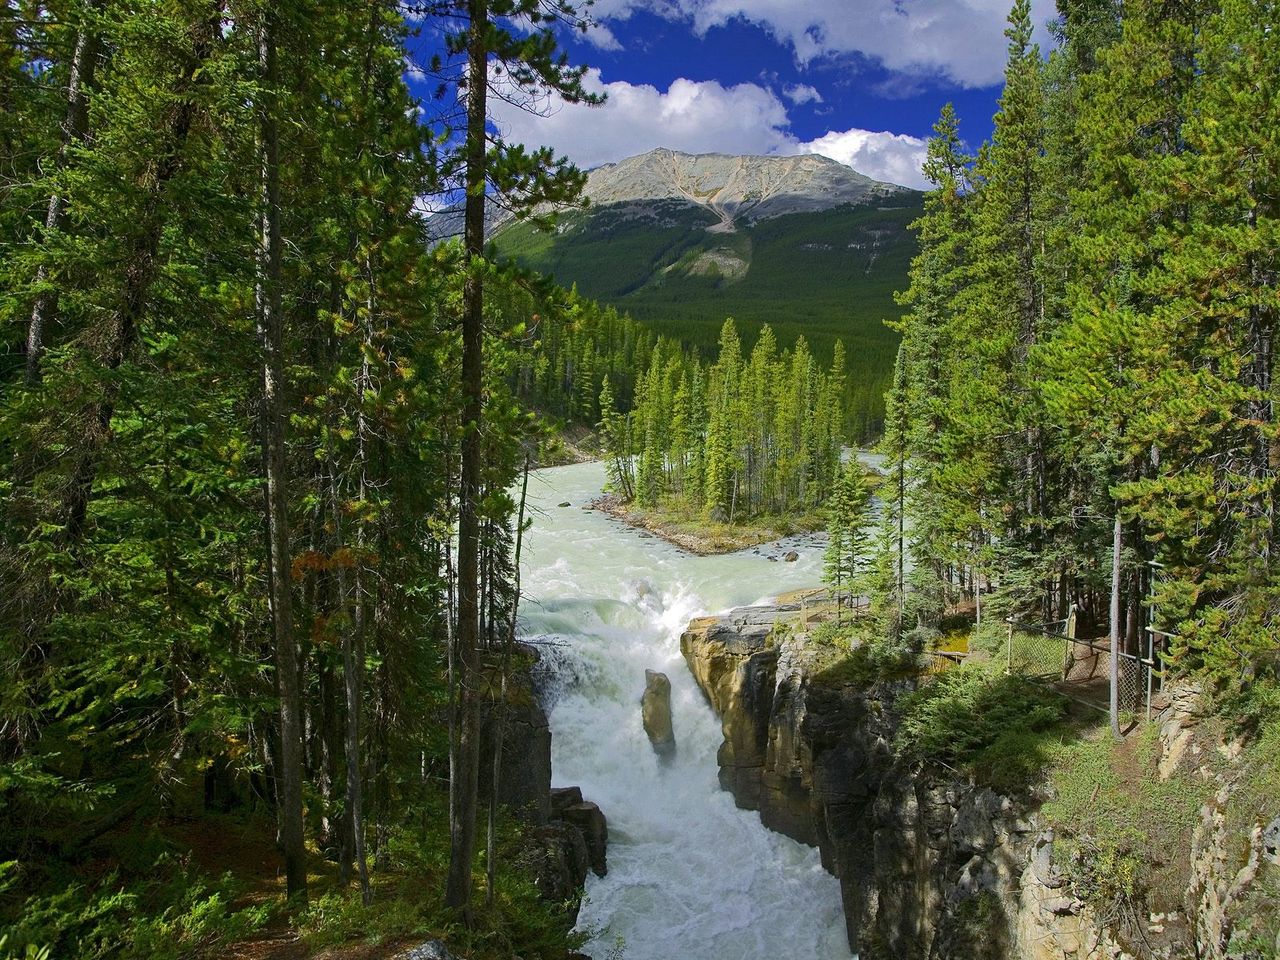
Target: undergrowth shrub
column 972, row 718
column 1123, row 832
column 855, row 655
column 407, row 900
column 169, row 916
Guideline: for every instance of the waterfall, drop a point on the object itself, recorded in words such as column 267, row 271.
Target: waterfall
column 691, row 877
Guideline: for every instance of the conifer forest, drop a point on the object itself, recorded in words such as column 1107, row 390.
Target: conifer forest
column 266, row 444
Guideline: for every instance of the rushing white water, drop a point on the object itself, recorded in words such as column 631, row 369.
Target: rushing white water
column 691, row 877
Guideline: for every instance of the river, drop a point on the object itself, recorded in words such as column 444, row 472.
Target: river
column 691, row 877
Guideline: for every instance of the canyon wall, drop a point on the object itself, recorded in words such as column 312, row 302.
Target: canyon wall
column 930, row 864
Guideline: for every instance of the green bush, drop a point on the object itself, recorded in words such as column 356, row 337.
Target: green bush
column 1123, row 831
column 342, row 917
column 998, row 728
column 169, row 917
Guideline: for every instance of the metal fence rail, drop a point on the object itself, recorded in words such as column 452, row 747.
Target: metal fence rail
column 1079, row 667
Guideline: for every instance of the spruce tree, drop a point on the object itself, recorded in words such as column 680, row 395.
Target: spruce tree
column 847, row 511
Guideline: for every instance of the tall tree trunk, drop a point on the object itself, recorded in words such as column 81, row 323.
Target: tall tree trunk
column 271, row 336
column 353, row 646
column 462, row 813
column 500, row 708
column 74, row 129
column 353, row 640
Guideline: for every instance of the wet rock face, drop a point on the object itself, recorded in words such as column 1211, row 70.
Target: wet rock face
column 569, row 835
column 557, row 858
column 568, row 806
column 932, row 866
column 524, row 777
column 655, row 710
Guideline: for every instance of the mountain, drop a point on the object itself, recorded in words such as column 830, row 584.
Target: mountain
column 734, row 189
column 682, row 241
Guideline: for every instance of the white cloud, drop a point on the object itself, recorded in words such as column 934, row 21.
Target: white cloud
column 961, row 41
column 894, row 157
column 698, row 117
column 801, row 93
column 602, row 38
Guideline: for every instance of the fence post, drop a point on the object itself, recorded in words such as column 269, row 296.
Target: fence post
column 1117, row 544
column 1069, row 647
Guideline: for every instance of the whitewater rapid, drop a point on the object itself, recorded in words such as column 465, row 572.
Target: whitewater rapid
column 691, row 877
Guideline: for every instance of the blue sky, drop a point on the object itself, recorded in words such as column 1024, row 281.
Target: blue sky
column 861, row 81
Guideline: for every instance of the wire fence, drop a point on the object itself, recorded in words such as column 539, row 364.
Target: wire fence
column 1080, row 667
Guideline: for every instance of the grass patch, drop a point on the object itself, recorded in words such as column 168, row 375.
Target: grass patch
column 1123, row 832
column 686, row 527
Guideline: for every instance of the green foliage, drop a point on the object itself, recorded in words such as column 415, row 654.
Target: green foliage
column 32, row 952
column 847, row 510
column 136, row 634
column 407, row 902
column 999, row 728
column 858, row 656
column 171, row 914
column 853, row 259
column 1088, row 338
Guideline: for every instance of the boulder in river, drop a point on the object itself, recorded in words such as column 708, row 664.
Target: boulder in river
column 565, row 503
column 791, row 556
column 655, row 710
column 587, row 819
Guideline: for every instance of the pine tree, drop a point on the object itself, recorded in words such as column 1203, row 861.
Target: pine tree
column 847, row 511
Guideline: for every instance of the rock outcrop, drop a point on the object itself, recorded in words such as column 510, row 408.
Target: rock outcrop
column 816, row 760
column 585, row 816
column 932, row 866
column 655, row 713
column 568, row 835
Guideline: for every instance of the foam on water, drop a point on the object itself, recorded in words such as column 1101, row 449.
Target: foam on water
column 691, row 877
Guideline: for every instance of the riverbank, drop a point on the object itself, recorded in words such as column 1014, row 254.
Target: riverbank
column 566, row 446
column 692, row 532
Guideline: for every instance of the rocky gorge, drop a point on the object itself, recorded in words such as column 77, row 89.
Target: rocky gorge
column 932, row 864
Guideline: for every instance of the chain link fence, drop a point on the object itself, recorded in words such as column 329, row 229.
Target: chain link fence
column 1080, row 668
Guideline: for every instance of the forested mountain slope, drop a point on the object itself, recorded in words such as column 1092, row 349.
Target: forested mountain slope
column 804, row 244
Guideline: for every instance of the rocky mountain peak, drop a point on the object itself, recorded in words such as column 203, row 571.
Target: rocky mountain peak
column 734, row 187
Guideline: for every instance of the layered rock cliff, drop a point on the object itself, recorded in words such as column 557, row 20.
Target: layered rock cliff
column 930, row 864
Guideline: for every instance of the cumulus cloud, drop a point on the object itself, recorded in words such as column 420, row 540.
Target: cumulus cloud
column 698, row 117
column 801, row 93
column 601, row 37
column 894, row 157
column 960, row 41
